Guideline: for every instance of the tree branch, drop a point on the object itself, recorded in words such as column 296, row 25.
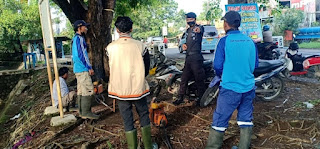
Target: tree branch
column 75, row 10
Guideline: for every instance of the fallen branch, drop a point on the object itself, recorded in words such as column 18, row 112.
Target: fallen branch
column 196, row 116
column 198, row 139
column 170, row 104
column 268, row 116
column 299, row 144
column 188, row 127
column 180, row 143
column 289, row 138
column 59, row 145
column 102, row 130
column 63, row 131
column 265, row 140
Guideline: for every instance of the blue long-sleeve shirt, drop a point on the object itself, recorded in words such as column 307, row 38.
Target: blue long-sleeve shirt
column 80, row 57
column 236, row 57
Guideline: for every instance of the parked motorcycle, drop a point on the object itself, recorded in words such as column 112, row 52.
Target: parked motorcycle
column 268, row 51
column 269, row 83
column 167, row 75
column 301, row 66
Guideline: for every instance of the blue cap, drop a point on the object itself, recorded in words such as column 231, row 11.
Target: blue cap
column 80, row 23
column 266, row 28
column 191, row 15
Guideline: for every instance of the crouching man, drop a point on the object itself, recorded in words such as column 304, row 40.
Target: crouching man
column 68, row 99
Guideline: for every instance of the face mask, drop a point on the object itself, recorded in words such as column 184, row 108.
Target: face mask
column 191, row 23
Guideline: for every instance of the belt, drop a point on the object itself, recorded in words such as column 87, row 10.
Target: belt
column 192, row 53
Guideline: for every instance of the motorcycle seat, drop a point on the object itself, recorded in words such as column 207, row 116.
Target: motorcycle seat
column 312, row 56
column 170, row 62
column 266, row 66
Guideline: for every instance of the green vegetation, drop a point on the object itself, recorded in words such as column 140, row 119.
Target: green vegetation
column 18, row 21
column 149, row 19
column 310, row 45
column 288, row 20
column 212, row 11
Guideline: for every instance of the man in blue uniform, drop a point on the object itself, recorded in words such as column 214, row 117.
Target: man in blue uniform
column 235, row 60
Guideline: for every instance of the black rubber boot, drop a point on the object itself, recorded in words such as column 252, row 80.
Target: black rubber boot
column 179, row 100
column 215, row 139
column 79, row 104
column 245, row 137
column 86, row 108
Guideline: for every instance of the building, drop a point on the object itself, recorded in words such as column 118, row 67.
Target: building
column 311, row 9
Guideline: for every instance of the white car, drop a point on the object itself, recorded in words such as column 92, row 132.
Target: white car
column 155, row 43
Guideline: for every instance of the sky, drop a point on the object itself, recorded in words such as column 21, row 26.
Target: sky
column 190, row 5
column 195, row 5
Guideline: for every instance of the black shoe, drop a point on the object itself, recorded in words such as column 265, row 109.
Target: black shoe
column 198, row 101
column 178, row 101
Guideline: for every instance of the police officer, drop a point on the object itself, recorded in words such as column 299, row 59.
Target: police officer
column 194, row 60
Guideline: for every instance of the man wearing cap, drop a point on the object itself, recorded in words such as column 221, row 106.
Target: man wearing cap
column 235, row 59
column 83, row 70
column 193, row 66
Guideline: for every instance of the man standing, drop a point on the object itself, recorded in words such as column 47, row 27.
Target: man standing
column 83, row 70
column 165, row 41
column 235, row 60
column 129, row 63
column 68, row 98
column 193, row 66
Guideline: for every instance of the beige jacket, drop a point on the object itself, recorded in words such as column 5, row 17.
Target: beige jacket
column 127, row 72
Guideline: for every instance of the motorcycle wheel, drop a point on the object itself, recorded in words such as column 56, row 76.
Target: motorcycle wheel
column 313, row 71
column 209, row 95
column 275, row 83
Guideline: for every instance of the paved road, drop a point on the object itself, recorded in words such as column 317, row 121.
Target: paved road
column 173, row 53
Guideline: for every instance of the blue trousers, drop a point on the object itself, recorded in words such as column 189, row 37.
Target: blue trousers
column 228, row 101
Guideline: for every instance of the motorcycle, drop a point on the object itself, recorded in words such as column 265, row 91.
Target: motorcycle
column 268, row 51
column 268, row 81
column 166, row 74
column 301, row 66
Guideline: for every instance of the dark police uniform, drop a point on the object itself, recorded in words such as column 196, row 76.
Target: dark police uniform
column 194, row 62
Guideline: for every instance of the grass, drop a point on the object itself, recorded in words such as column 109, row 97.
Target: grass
column 310, row 45
column 3, row 119
column 300, row 104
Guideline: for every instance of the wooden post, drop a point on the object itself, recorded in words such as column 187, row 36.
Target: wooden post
column 48, row 33
column 49, row 74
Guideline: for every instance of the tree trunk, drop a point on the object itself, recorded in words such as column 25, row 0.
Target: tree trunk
column 237, row 1
column 99, row 14
column 99, row 34
column 20, row 46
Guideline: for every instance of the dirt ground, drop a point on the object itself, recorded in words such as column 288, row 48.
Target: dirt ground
column 283, row 123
